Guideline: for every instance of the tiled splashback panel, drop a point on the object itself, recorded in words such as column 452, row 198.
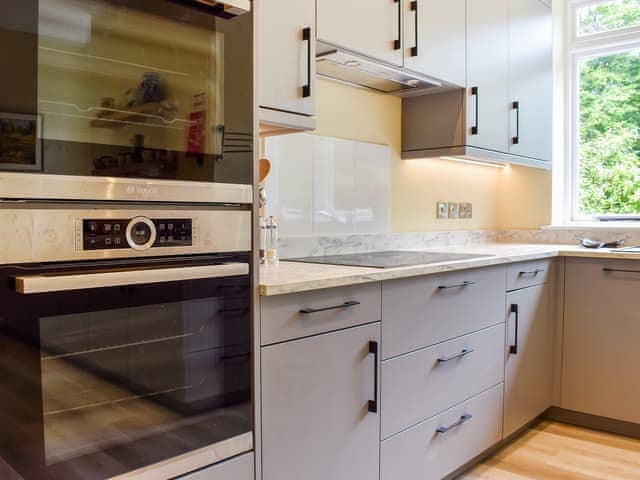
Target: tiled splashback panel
column 321, row 186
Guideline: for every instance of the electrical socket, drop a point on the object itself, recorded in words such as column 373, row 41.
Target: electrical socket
column 453, row 210
column 442, row 210
column 465, row 210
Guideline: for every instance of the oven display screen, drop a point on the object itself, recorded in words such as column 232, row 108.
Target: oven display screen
column 112, row 234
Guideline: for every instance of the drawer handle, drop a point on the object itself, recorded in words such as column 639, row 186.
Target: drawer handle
column 464, row 352
column 464, row 418
column 373, row 350
column 619, row 270
column 457, row 285
column 350, row 303
column 532, row 272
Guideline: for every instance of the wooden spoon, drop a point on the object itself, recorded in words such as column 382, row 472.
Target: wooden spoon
column 265, row 168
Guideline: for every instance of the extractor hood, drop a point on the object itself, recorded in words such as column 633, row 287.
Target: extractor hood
column 337, row 63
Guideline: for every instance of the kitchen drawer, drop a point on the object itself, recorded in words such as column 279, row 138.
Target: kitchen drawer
column 419, row 312
column 282, row 316
column 422, row 453
column 239, row 468
column 528, row 274
column 418, row 385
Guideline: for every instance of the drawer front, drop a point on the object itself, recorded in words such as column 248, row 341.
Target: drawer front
column 422, row 453
column 423, row 311
column 282, row 316
column 239, row 468
column 528, row 274
column 419, row 385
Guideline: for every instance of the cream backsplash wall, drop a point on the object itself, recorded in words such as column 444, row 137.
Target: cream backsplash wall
column 515, row 197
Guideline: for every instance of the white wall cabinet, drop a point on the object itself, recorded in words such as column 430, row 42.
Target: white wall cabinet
column 434, row 38
column 286, row 62
column 316, row 420
column 370, row 27
column 529, row 357
column 601, row 357
column 530, row 78
column 488, row 74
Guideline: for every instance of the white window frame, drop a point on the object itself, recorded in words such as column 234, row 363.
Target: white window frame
column 577, row 48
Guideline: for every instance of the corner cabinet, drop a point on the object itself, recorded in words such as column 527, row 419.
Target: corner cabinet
column 601, row 331
column 505, row 111
column 286, row 64
column 426, row 36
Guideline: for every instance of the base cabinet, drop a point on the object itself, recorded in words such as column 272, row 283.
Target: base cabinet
column 601, row 332
column 444, row 443
column 529, row 357
column 316, row 418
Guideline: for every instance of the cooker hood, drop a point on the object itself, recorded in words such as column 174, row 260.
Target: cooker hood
column 337, row 63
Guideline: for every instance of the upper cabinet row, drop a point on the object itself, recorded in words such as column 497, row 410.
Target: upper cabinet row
column 493, row 56
column 505, row 113
column 427, row 36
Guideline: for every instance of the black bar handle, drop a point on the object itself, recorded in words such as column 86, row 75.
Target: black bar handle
column 516, row 107
column 532, row 272
column 619, row 270
column 414, row 8
column 466, row 283
column 474, row 93
column 373, row 350
column 397, row 43
column 463, row 418
column 350, row 303
column 513, row 349
column 306, row 37
column 464, row 352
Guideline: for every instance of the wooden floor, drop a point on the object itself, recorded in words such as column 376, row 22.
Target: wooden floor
column 556, row 451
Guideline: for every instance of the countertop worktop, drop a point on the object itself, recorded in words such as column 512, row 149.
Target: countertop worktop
column 293, row 277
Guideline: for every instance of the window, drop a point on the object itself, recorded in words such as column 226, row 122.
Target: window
column 604, row 56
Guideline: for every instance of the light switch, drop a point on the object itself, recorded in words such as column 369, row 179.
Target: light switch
column 453, row 210
column 442, row 210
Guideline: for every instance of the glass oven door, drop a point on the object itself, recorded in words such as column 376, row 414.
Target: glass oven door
column 109, row 368
column 126, row 89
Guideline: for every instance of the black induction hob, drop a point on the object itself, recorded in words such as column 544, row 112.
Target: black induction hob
column 389, row 259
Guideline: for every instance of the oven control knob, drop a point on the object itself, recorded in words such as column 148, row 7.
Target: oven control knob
column 141, row 233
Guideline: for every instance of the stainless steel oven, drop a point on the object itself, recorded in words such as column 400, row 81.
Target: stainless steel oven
column 125, row 337
column 130, row 100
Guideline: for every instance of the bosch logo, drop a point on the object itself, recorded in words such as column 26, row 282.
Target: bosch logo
column 142, row 191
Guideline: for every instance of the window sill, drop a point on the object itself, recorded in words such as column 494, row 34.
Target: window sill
column 601, row 226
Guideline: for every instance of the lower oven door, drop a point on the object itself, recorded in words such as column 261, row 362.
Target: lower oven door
column 107, row 368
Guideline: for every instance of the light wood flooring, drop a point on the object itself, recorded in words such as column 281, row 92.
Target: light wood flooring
column 557, row 451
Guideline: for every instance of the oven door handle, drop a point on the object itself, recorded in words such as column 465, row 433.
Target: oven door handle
column 31, row 284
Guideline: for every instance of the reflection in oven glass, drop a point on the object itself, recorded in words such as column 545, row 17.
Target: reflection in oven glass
column 116, row 376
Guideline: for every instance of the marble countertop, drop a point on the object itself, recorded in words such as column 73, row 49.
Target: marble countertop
column 293, row 277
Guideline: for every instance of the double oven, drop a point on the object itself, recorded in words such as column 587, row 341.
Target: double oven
column 126, row 171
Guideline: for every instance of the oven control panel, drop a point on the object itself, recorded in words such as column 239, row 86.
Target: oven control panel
column 138, row 233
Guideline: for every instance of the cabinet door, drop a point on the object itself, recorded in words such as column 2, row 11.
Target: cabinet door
column 529, row 369
column 371, row 27
column 488, row 74
column 316, row 423
column 438, row 48
column 530, row 78
column 286, row 56
column 601, row 332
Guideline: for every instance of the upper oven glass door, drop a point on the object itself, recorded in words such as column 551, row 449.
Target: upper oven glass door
column 136, row 89
column 111, row 373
